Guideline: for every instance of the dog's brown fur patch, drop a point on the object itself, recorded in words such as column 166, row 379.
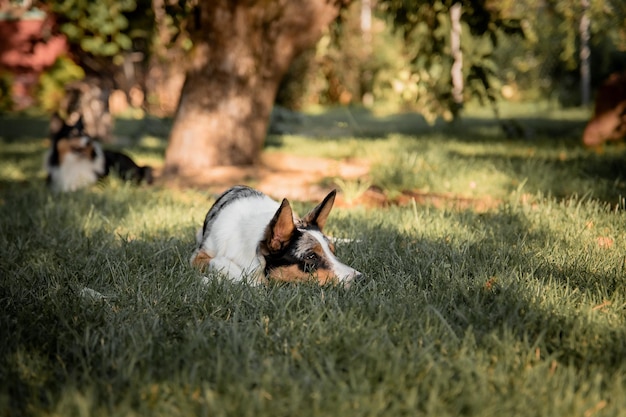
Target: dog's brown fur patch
column 201, row 260
column 292, row 273
column 69, row 145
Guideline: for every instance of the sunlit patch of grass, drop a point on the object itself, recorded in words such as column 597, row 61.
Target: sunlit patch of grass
column 475, row 167
column 333, row 148
column 151, row 142
column 22, row 161
column 12, row 172
column 352, row 189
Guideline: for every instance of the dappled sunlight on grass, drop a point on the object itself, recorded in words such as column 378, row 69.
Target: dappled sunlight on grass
column 12, row 172
column 151, row 142
column 465, row 311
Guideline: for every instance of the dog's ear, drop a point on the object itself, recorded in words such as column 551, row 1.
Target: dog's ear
column 80, row 124
column 75, row 119
column 317, row 216
column 280, row 229
column 56, row 124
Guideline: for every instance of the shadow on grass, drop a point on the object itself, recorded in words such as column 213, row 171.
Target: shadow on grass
column 337, row 123
column 49, row 252
column 15, row 127
column 359, row 122
column 158, row 127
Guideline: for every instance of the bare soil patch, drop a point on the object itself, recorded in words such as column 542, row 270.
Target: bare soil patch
column 282, row 175
column 278, row 174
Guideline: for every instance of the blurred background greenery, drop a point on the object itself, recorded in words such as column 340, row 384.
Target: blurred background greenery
column 378, row 51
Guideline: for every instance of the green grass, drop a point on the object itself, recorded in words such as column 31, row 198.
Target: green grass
column 519, row 310
column 471, row 159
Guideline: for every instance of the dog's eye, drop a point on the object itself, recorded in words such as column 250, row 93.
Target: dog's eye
column 311, row 260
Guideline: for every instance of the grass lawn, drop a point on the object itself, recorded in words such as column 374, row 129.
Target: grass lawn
column 518, row 310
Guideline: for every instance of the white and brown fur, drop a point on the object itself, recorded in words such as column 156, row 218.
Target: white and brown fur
column 75, row 160
column 248, row 236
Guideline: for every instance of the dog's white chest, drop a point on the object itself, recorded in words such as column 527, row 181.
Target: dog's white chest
column 75, row 172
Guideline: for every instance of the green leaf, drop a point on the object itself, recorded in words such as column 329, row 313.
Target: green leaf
column 123, row 41
column 109, row 49
column 107, row 29
column 91, row 44
column 120, row 21
column 71, row 30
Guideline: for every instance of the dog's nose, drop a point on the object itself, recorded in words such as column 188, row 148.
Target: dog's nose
column 358, row 277
column 353, row 279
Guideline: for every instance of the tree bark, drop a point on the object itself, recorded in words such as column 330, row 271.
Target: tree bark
column 242, row 49
column 585, row 54
column 457, row 55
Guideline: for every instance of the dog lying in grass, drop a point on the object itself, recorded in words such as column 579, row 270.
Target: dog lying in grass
column 75, row 160
column 247, row 235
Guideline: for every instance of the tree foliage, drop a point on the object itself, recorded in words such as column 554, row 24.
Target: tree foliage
column 546, row 64
column 425, row 27
column 531, row 44
column 530, row 40
column 608, row 25
column 52, row 83
column 101, row 32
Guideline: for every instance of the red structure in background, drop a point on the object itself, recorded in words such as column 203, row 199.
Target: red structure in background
column 28, row 46
column 609, row 118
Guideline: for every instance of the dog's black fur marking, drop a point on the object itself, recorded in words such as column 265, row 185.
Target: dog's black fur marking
column 126, row 168
column 234, row 193
column 288, row 256
column 59, row 131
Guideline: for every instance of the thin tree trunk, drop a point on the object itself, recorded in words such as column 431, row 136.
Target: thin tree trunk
column 585, row 54
column 366, row 33
column 457, row 56
column 242, row 49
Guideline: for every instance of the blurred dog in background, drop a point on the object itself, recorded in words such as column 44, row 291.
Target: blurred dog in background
column 76, row 160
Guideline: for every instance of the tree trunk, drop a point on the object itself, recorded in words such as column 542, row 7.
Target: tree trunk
column 457, row 55
column 241, row 51
column 367, row 97
column 585, row 54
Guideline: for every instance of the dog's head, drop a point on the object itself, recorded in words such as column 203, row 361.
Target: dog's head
column 296, row 250
column 69, row 137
